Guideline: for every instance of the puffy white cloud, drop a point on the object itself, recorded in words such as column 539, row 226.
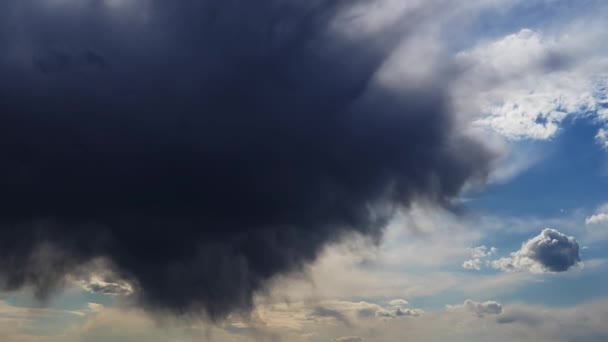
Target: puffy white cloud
column 473, row 264
column 398, row 302
column 550, row 251
column 478, row 253
column 526, row 83
column 482, row 251
column 597, row 225
column 597, row 219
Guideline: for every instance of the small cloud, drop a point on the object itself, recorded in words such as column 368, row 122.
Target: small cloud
column 399, row 312
column 550, row 251
column 100, row 285
column 344, row 311
column 480, row 309
column 398, row 302
column 384, row 314
column 473, row 264
column 407, row 312
column 485, row 308
column 597, row 224
column 482, row 251
column 597, row 219
column 602, row 138
column 478, row 253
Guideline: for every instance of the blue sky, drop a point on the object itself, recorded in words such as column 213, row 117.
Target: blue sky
column 571, row 175
column 546, row 123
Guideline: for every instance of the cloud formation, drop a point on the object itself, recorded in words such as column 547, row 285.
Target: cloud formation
column 528, row 82
column 208, row 146
column 491, row 308
column 602, row 137
column 597, row 219
column 112, row 287
column 479, row 308
column 550, row 251
column 478, row 253
column 398, row 302
column 597, row 224
column 517, row 322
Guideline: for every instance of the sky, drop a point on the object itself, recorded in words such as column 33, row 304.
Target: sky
column 379, row 170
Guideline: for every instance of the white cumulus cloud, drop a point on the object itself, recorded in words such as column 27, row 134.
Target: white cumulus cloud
column 398, row 302
column 550, row 251
column 600, row 218
column 528, row 82
column 477, row 254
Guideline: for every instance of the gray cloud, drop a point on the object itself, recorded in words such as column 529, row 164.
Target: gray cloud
column 399, row 312
column 485, row 308
column 480, row 309
column 384, row 314
column 550, row 251
column 321, row 311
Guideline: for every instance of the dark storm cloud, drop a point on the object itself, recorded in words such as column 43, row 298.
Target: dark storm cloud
column 203, row 147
